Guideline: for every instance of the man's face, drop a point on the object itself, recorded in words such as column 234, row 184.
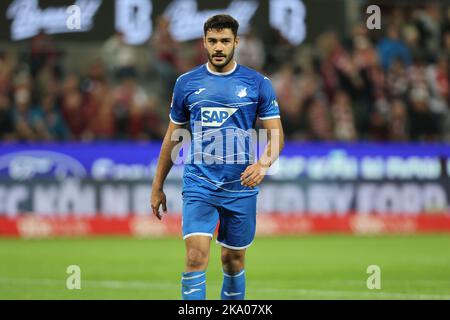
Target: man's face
column 220, row 45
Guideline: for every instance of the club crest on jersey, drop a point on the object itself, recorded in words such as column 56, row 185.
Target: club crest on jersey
column 241, row 91
column 216, row 117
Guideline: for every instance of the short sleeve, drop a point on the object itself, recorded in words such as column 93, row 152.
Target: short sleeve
column 178, row 112
column 268, row 105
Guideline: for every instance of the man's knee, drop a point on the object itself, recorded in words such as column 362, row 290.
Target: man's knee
column 196, row 259
column 233, row 260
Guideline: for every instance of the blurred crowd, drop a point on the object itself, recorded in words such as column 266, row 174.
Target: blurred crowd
column 380, row 85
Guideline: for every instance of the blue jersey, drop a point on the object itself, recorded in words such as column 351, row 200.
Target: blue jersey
column 221, row 109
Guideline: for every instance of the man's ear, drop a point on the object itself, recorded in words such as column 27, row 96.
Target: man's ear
column 236, row 41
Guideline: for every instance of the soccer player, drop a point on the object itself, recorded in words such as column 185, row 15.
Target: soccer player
column 219, row 99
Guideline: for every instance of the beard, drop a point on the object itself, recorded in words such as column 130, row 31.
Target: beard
column 225, row 62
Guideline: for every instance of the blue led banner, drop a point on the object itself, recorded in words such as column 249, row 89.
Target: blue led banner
column 135, row 161
column 114, row 179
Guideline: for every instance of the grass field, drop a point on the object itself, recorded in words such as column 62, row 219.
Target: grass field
column 307, row 267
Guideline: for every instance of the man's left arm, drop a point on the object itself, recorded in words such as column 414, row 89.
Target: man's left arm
column 255, row 173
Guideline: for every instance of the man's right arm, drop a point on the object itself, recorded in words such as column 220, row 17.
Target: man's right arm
column 158, row 198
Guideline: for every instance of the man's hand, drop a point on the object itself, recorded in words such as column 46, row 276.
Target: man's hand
column 253, row 175
column 158, row 198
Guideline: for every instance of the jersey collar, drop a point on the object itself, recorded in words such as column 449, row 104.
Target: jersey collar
column 222, row 73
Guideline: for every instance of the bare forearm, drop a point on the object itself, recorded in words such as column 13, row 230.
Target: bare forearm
column 254, row 174
column 165, row 162
column 274, row 147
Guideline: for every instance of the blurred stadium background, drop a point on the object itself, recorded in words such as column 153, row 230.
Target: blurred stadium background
column 363, row 180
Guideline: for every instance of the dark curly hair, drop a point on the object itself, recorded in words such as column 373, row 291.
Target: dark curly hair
column 221, row 21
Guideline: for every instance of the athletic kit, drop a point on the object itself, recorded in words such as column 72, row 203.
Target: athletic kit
column 221, row 109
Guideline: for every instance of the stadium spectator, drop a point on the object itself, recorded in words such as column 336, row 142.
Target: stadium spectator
column 23, row 115
column 412, row 39
column 250, row 52
column 437, row 76
column 428, row 22
column 391, row 47
column 74, row 114
column 129, row 103
column 44, row 53
column 7, row 65
column 165, row 48
column 319, row 121
column 398, row 124
column 378, row 127
column 424, row 125
column 278, row 50
column 343, row 119
column 397, row 80
column 388, row 85
column 6, row 119
column 284, row 83
column 96, row 74
column 152, row 124
column 99, row 108
column 119, row 57
column 47, row 120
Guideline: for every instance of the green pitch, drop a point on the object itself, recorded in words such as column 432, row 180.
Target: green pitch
column 309, row 267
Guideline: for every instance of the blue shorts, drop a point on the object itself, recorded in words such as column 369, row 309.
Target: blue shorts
column 237, row 217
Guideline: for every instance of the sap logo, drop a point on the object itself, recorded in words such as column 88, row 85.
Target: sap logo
column 215, row 117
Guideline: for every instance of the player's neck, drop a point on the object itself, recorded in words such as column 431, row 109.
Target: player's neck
column 229, row 68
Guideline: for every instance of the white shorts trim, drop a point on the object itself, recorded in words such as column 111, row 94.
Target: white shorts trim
column 233, row 248
column 198, row 234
